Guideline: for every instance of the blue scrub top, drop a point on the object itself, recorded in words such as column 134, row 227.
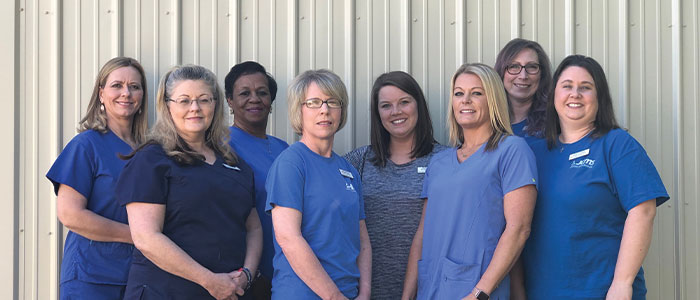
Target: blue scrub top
column 519, row 130
column 259, row 154
column 328, row 193
column 464, row 217
column 206, row 208
column 587, row 188
column 90, row 165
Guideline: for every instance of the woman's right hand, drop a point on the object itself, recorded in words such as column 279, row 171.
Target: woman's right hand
column 222, row 286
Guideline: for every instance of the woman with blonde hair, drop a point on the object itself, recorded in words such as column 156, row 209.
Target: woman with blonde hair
column 482, row 193
column 98, row 247
column 190, row 200
column 322, row 248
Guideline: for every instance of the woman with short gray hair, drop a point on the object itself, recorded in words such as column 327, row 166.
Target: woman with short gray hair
column 322, row 248
column 190, row 200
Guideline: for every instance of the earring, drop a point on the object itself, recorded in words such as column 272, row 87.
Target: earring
column 102, row 107
column 139, row 111
column 231, row 110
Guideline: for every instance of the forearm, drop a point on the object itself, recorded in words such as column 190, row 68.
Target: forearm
column 95, row 227
column 636, row 238
column 307, row 266
column 504, row 257
column 168, row 256
column 364, row 263
column 254, row 245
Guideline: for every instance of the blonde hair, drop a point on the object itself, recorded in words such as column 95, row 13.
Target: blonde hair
column 495, row 99
column 96, row 119
column 329, row 83
column 164, row 131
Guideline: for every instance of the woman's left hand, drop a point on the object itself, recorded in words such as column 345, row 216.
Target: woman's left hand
column 619, row 291
column 240, row 280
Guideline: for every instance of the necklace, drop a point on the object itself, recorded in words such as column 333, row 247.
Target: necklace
column 466, row 153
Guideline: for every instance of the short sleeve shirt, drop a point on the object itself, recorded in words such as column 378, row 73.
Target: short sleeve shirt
column 259, row 154
column 90, row 164
column 328, row 193
column 587, row 189
column 464, row 217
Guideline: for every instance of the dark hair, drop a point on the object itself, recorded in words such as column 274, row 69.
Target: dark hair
column 423, row 132
column 536, row 114
column 247, row 68
column 605, row 117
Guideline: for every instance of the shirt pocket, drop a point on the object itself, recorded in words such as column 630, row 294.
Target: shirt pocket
column 105, row 262
column 457, row 280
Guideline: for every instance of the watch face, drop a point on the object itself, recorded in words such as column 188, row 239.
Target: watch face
column 482, row 296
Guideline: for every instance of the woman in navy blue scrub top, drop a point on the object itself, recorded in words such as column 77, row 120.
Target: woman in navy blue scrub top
column 322, row 248
column 479, row 198
column 526, row 73
column 598, row 195
column 98, row 248
column 190, row 200
column 250, row 91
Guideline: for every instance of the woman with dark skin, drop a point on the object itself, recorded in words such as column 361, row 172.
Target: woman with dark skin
column 250, row 92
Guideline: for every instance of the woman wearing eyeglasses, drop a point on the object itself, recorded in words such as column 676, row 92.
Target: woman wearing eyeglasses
column 526, row 73
column 322, row 248
column 190, row 200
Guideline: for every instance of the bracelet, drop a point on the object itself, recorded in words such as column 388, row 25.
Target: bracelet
column 248, row 276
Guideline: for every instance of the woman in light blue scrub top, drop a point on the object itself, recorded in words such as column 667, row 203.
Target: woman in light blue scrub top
column 250, row 92
column 321, row 243
column 98, row 248
column 526, row 72
column 598, row 195
column 479, row 198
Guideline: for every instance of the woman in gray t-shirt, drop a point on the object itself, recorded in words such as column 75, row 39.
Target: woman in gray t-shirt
column 392, row 170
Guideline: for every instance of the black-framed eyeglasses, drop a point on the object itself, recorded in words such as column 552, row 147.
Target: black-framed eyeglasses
column 514, row 69
column 317, row 103
column 186, row 103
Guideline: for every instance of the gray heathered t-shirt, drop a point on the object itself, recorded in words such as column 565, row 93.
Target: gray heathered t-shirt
column 393, row 209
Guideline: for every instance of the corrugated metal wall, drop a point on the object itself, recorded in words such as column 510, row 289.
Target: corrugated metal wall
column 650, row 50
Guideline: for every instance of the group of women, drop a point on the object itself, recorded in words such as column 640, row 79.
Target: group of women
column 541, row 196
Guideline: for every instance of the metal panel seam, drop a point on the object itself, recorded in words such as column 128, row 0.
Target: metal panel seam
column 677, row 68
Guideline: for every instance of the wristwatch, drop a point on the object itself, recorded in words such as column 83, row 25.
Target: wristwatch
column 480, row 295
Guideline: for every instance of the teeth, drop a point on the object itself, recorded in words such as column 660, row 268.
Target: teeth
column 467, row 111
column 521, row 85
column 398, row 121
column 574, row 105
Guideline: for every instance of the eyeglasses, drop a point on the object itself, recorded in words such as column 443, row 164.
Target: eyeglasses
column 186, row 103
column 514, row 69
column 317, row 103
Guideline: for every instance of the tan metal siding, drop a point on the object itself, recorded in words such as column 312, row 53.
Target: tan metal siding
column 650, row 50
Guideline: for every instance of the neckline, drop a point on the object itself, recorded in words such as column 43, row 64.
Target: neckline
column 267, row 137
column 455, row 155
column 109, row 131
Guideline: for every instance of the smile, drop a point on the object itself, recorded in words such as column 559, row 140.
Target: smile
column 399, row 121
column 467, row 111
column 520, row 85
column 574, row 105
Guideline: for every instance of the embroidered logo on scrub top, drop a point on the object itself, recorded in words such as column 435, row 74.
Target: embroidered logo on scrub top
column 349, row 187
column 588, row 163
column 421, row 170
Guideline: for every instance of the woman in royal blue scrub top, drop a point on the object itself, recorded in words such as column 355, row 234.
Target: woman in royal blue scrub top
column 598, row 195
column 526, row 72
column 250, row 91
column 190, row 200
column 98, row 247
column 322, row 248
column 479, row 198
